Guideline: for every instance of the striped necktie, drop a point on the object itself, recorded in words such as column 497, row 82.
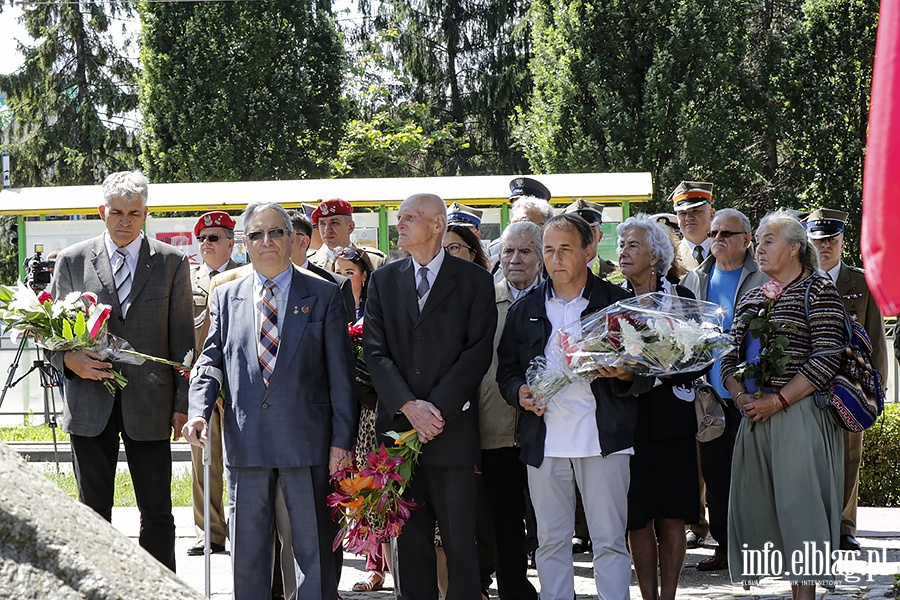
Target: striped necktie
column 123, row 279
column 268, row 331
column 423, row 286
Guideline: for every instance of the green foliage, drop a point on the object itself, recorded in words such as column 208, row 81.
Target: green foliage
column 467, row 62
column 31, row 433
column 879, row 476
column 124, row 489
column 72, row 100
column 9, row 251
column 767, row 100
column 406, row 142
column 240, row 90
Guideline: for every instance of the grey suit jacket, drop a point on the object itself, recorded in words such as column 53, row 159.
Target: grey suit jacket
column 308, row 405
column 159, row 323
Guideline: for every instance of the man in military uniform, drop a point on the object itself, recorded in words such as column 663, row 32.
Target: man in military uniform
column 825, row 229
column 334, row 220
column 215, row 233
column 692, row 201
column 593, row 214
column 466, row 216
column 530, row 200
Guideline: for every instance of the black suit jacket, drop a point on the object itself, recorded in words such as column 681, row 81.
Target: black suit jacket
column 440, row 355
column 342, row 282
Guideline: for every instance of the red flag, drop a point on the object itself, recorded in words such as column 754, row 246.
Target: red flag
column 881, row 179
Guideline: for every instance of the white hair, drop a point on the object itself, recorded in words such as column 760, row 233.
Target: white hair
column 523, row 203
column 658, row 239
column 129, row 185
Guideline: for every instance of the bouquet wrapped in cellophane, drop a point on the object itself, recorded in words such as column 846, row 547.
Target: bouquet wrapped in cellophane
column 654, row 334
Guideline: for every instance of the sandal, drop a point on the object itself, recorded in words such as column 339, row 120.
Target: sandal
column 372, row 583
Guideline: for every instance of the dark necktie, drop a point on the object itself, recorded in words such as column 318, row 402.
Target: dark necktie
column 122, row 277
column 268, row 331
column 423, row 286
column 698, row 254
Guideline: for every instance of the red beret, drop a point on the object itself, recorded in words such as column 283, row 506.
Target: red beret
column 335, row 206
column 216, row 218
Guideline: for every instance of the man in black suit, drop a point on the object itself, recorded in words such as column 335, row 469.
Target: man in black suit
column 303, row 228
column 428, row 337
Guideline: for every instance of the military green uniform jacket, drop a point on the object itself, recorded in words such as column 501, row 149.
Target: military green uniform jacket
column 859, row 303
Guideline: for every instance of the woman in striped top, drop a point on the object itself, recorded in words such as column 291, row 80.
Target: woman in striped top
column 787, row 470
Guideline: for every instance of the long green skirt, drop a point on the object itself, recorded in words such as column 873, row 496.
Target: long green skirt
column 784, row 512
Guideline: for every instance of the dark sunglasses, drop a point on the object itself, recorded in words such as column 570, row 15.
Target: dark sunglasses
column 724, row 233
column 274, row 234
column 212, row 238
column 455, row 248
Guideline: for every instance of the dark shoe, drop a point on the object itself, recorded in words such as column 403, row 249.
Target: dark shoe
column 693, row 540
column 198, row 548
column 716, row 562
column 580, row 545
column 848, row 542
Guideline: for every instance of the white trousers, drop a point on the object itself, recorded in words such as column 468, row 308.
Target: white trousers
column 603, row 483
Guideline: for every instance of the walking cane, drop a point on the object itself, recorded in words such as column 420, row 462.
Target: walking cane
column 207, row 551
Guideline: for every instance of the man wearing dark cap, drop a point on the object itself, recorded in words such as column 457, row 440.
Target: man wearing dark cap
column 526, row 186
column 334, row 220
column 593, row 214
column 530, row 201
column 466, row 216
column 692, row 201
column 315, row 240
column 215, row 233
column 825, row 229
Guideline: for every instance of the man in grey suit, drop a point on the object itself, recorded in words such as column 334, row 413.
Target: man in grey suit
column 278, row 344
column 147, row 284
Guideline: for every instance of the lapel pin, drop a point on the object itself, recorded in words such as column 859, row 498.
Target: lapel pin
column 305, row 309
column 295, row 310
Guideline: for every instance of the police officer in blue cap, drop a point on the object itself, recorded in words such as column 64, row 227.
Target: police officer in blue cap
column 460, row 214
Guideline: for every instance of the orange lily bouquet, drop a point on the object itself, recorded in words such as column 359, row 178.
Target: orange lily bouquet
column 368, row 502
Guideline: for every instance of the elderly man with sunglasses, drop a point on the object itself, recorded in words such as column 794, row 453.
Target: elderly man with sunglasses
column 723, row 277
column 215, row 234
column 278, row 337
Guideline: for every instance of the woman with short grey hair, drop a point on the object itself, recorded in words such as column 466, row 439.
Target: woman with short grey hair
column 665, row 486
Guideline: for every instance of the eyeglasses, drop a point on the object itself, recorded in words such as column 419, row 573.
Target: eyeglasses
column 348, row 253
column 274, row 234
column 724, row 233
column 456, row 248
column 211, row 238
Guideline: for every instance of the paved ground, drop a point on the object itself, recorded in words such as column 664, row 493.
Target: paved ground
column 879, row 533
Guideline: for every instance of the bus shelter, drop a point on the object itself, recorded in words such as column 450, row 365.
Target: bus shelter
column 375, row 204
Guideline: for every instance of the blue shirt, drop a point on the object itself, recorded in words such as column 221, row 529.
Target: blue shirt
column 721, row 289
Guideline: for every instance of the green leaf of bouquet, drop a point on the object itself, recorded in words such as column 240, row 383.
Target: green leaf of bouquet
column 757, row 323
column 67, row 331
column 80, row 324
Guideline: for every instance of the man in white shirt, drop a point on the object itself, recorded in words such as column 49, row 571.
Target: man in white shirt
column 582, row 439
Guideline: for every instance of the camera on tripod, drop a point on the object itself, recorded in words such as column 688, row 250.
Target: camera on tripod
column 38, row 271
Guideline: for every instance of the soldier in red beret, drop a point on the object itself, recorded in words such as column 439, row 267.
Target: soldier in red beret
column 215, row 233
column 334, row 220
